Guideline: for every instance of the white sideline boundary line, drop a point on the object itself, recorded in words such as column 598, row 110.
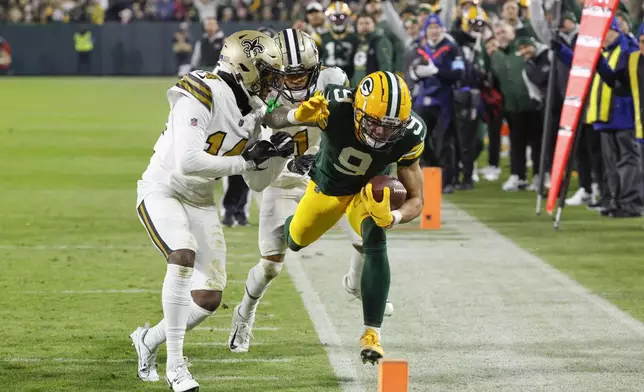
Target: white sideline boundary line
column 108, row 360
column 342, row 364
column 566, row 281
column 239, row 378
column 267, row 329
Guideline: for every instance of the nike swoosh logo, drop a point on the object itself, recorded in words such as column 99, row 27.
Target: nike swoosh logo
column 232, row 341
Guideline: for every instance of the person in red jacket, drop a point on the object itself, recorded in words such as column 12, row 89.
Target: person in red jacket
column 5, row 57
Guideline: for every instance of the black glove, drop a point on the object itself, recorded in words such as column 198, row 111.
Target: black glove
column 260, row 151
column 283, row 143
column 301, row 165
column 555, row 45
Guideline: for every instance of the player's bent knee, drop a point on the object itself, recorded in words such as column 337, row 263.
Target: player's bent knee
column 207, row 299
column 374, row 237
column 183, row 257
column 272, row 268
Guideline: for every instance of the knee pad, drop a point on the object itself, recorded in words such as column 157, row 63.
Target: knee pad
column 374, row 238
column 271, row 269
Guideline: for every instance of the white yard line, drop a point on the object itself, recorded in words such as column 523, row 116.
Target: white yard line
column 329, row 337
column 266, row 329
column 239, row 378
column 130, row 360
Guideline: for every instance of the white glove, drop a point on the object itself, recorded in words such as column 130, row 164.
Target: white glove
column 424, row 71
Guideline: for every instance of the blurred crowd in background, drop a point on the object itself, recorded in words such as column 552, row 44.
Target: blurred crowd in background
column 479, row 74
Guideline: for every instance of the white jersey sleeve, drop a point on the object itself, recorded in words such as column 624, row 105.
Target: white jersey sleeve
column 190, row 120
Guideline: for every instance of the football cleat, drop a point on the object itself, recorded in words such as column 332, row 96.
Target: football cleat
column 355, row 292
column 240, row 333
column 179, row 378
column 147, row 363
column 371, row 350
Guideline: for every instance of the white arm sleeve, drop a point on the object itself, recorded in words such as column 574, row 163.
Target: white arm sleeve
column 196, row 56
column 189, row 141
column 394, row 21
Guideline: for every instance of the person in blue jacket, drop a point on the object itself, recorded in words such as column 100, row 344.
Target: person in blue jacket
column 438, row 65
column 610, row 111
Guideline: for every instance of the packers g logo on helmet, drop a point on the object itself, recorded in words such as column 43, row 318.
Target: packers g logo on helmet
column 382, row 109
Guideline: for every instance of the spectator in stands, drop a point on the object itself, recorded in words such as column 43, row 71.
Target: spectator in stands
column 185, row 10
column 436, row 68
column 315, row 18
column 227, row 15
column 373, row 52
column 95, row 13
column 521, row 112
column 242, row 14
column 182, row 48
column 5, row 57
column 207, row 9
column 165, row 9
column 510, row 14
column 625, row 24
column 374, row 8
column 207, row 49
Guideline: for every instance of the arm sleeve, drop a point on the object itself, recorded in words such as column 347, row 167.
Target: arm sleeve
column 394, row 21
column 196, row 56
column 565, row 55
column 385, row 54
column 189, row 141
column 539, row 22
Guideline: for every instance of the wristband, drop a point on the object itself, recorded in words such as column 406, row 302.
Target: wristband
column 290, row 117
column 397, row 217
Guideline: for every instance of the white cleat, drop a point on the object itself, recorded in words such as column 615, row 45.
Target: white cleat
column 179, row 378
column 580, row 197
column 240, row 333
column 147, row 369
column 346, row 283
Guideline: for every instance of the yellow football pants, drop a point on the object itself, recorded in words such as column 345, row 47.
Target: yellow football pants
column 317, row 213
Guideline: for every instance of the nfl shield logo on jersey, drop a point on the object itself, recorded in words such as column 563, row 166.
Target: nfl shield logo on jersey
column 194, row 122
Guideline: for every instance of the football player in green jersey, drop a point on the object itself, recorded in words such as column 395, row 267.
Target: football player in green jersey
column 339, row 43
column 365, row 132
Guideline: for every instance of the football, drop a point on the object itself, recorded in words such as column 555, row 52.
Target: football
column 398, row 193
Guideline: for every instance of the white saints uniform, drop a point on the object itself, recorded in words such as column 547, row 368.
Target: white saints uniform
column 280, row 199
column 175, row 195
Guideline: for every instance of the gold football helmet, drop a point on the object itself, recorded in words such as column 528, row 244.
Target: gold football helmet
column 339, row 14
column 382, row 109
column 255, row 61
column 301, row 64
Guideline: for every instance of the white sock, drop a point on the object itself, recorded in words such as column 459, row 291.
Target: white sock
column 156, row 335
column 259, row 277
column 175, row 298
column 355, row 268
column 370, row 327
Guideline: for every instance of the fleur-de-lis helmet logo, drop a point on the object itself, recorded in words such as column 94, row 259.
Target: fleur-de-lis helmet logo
column 252, row 47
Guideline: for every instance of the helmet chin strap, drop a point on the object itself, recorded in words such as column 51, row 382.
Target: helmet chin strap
column 254, row 101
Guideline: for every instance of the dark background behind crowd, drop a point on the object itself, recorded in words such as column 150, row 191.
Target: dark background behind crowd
column 478, row 71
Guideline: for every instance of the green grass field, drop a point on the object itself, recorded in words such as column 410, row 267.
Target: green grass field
column 79, row 273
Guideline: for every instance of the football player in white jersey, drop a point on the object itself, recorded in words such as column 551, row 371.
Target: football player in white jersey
column 212, row 131
column 303, row 77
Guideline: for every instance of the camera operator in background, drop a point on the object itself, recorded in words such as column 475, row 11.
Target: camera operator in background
column 373, row 52
column 435, row 70
column 207, row 49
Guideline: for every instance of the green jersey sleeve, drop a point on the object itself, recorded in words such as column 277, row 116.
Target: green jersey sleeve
column 414, row 140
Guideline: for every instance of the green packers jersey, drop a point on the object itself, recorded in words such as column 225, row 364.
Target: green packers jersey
column 344, row 164
column 338, row 51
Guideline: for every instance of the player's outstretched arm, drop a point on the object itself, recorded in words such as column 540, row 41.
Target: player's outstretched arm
column 189, row 120
column 412, row 178
column 260, row 178
column 313, row 112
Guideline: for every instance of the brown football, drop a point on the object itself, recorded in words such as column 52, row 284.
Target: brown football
column 397, row 194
